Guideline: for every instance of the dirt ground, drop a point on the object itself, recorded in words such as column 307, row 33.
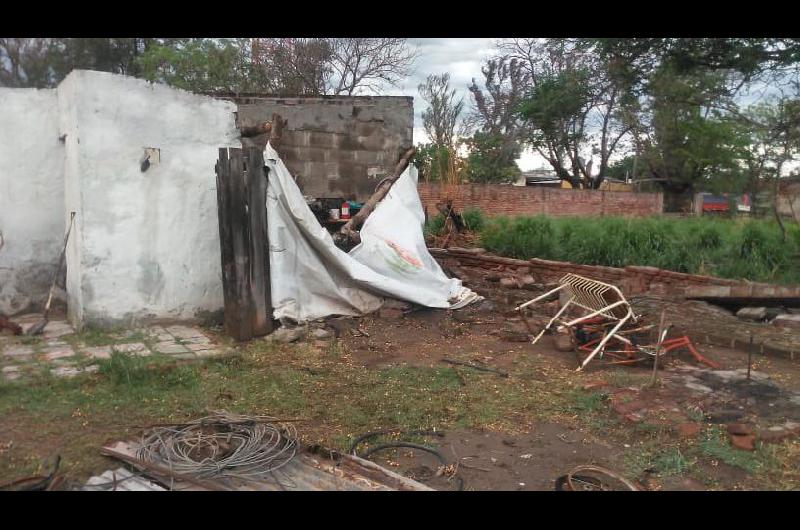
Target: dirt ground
column 521, row 429
column 490, row 334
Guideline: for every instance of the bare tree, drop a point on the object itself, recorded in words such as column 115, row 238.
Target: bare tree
column 366, row 63
column 297, row 66
column 316, row 66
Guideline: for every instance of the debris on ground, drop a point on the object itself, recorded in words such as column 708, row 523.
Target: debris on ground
column 229, row 452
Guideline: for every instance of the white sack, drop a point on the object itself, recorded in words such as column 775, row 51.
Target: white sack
column 312, row 278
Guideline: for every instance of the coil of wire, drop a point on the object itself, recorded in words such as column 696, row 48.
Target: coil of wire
column 222, row 445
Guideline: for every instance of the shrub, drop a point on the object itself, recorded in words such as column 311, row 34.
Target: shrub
column 750, row 249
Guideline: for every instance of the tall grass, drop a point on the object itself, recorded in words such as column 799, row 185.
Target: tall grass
column 739, row 249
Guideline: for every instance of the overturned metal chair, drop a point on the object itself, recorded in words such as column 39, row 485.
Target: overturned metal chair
column 594, row 297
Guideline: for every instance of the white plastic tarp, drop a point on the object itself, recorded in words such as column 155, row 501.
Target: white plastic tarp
column 312, row 278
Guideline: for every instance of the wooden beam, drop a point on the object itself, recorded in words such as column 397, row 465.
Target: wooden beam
column 349, row 230
column 256, row 183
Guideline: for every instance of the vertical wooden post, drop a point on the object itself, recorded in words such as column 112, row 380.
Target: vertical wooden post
column 241, row 200
column 256, row 183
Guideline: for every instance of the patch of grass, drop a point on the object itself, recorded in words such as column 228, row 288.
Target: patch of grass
column 28, row 340
column 585, row 402
column 739, row 249
column 652, row 456
column 625, row 378
column 716, row 446
column 91, row 336
column 671, row 462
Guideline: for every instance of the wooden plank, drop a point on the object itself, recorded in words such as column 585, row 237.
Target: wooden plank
column 256, row 182
column 241, row 325
column 224, row 193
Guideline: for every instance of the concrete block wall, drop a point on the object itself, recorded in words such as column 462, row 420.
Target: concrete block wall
column 31, row 197
column 336, row 146
column 496, row 199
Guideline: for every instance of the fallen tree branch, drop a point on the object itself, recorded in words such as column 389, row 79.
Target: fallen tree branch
column 476, row 367
column 350, row 229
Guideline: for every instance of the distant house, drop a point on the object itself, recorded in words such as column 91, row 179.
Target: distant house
column 539, row 177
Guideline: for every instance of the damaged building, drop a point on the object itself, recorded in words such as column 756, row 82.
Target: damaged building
column 135, row 162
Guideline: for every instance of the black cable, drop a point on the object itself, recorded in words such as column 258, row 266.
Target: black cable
column 431, row 450
column 358, row 441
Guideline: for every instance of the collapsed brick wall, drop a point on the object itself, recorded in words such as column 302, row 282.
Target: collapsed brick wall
column 632, row 279
column 496, row 199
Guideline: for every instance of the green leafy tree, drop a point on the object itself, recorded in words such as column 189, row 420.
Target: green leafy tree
column 489, row 161
column 573, row 107
column 200, row 65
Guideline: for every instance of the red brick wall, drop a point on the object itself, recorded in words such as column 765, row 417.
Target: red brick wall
column 495, row 199
column 632, row 280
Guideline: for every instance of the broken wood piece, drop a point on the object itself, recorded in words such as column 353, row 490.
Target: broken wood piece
column 476, row 367
column 276, row 131
column 248, row 131
column 349, row 230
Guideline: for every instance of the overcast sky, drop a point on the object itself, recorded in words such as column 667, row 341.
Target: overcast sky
column 462, row 59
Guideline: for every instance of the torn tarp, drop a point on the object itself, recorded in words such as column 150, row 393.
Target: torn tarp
column 312, row 278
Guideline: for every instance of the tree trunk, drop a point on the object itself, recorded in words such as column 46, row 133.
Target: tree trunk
column 775, row 200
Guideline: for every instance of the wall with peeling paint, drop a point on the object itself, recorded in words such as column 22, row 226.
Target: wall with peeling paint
column 31, row 197
column 147, row 242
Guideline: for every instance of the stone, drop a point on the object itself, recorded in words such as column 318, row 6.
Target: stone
column 508, row 282
column 752, row 313
column 10, row 369
column 59, row 353
column 743, row 442
column 198, row 347
column 740, row 428
column 170, row 347
column 65, row 371
column 779, row 433
column 17, row 351
column 204, row 354
column 699, row 388
column 135, row 347
column 525, row 279
column 11, row 376
column 196, row 340
column 98, row 352
column 321, row 333
column 687, row 430
column 184, row 356
column 787, row 321
column 184, row 332
column 286, row 335
column 390, row 312
column 563, row 342
column 58, row 328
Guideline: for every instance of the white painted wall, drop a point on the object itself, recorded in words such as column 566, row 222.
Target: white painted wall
column 31, row 196
column 146, row 244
